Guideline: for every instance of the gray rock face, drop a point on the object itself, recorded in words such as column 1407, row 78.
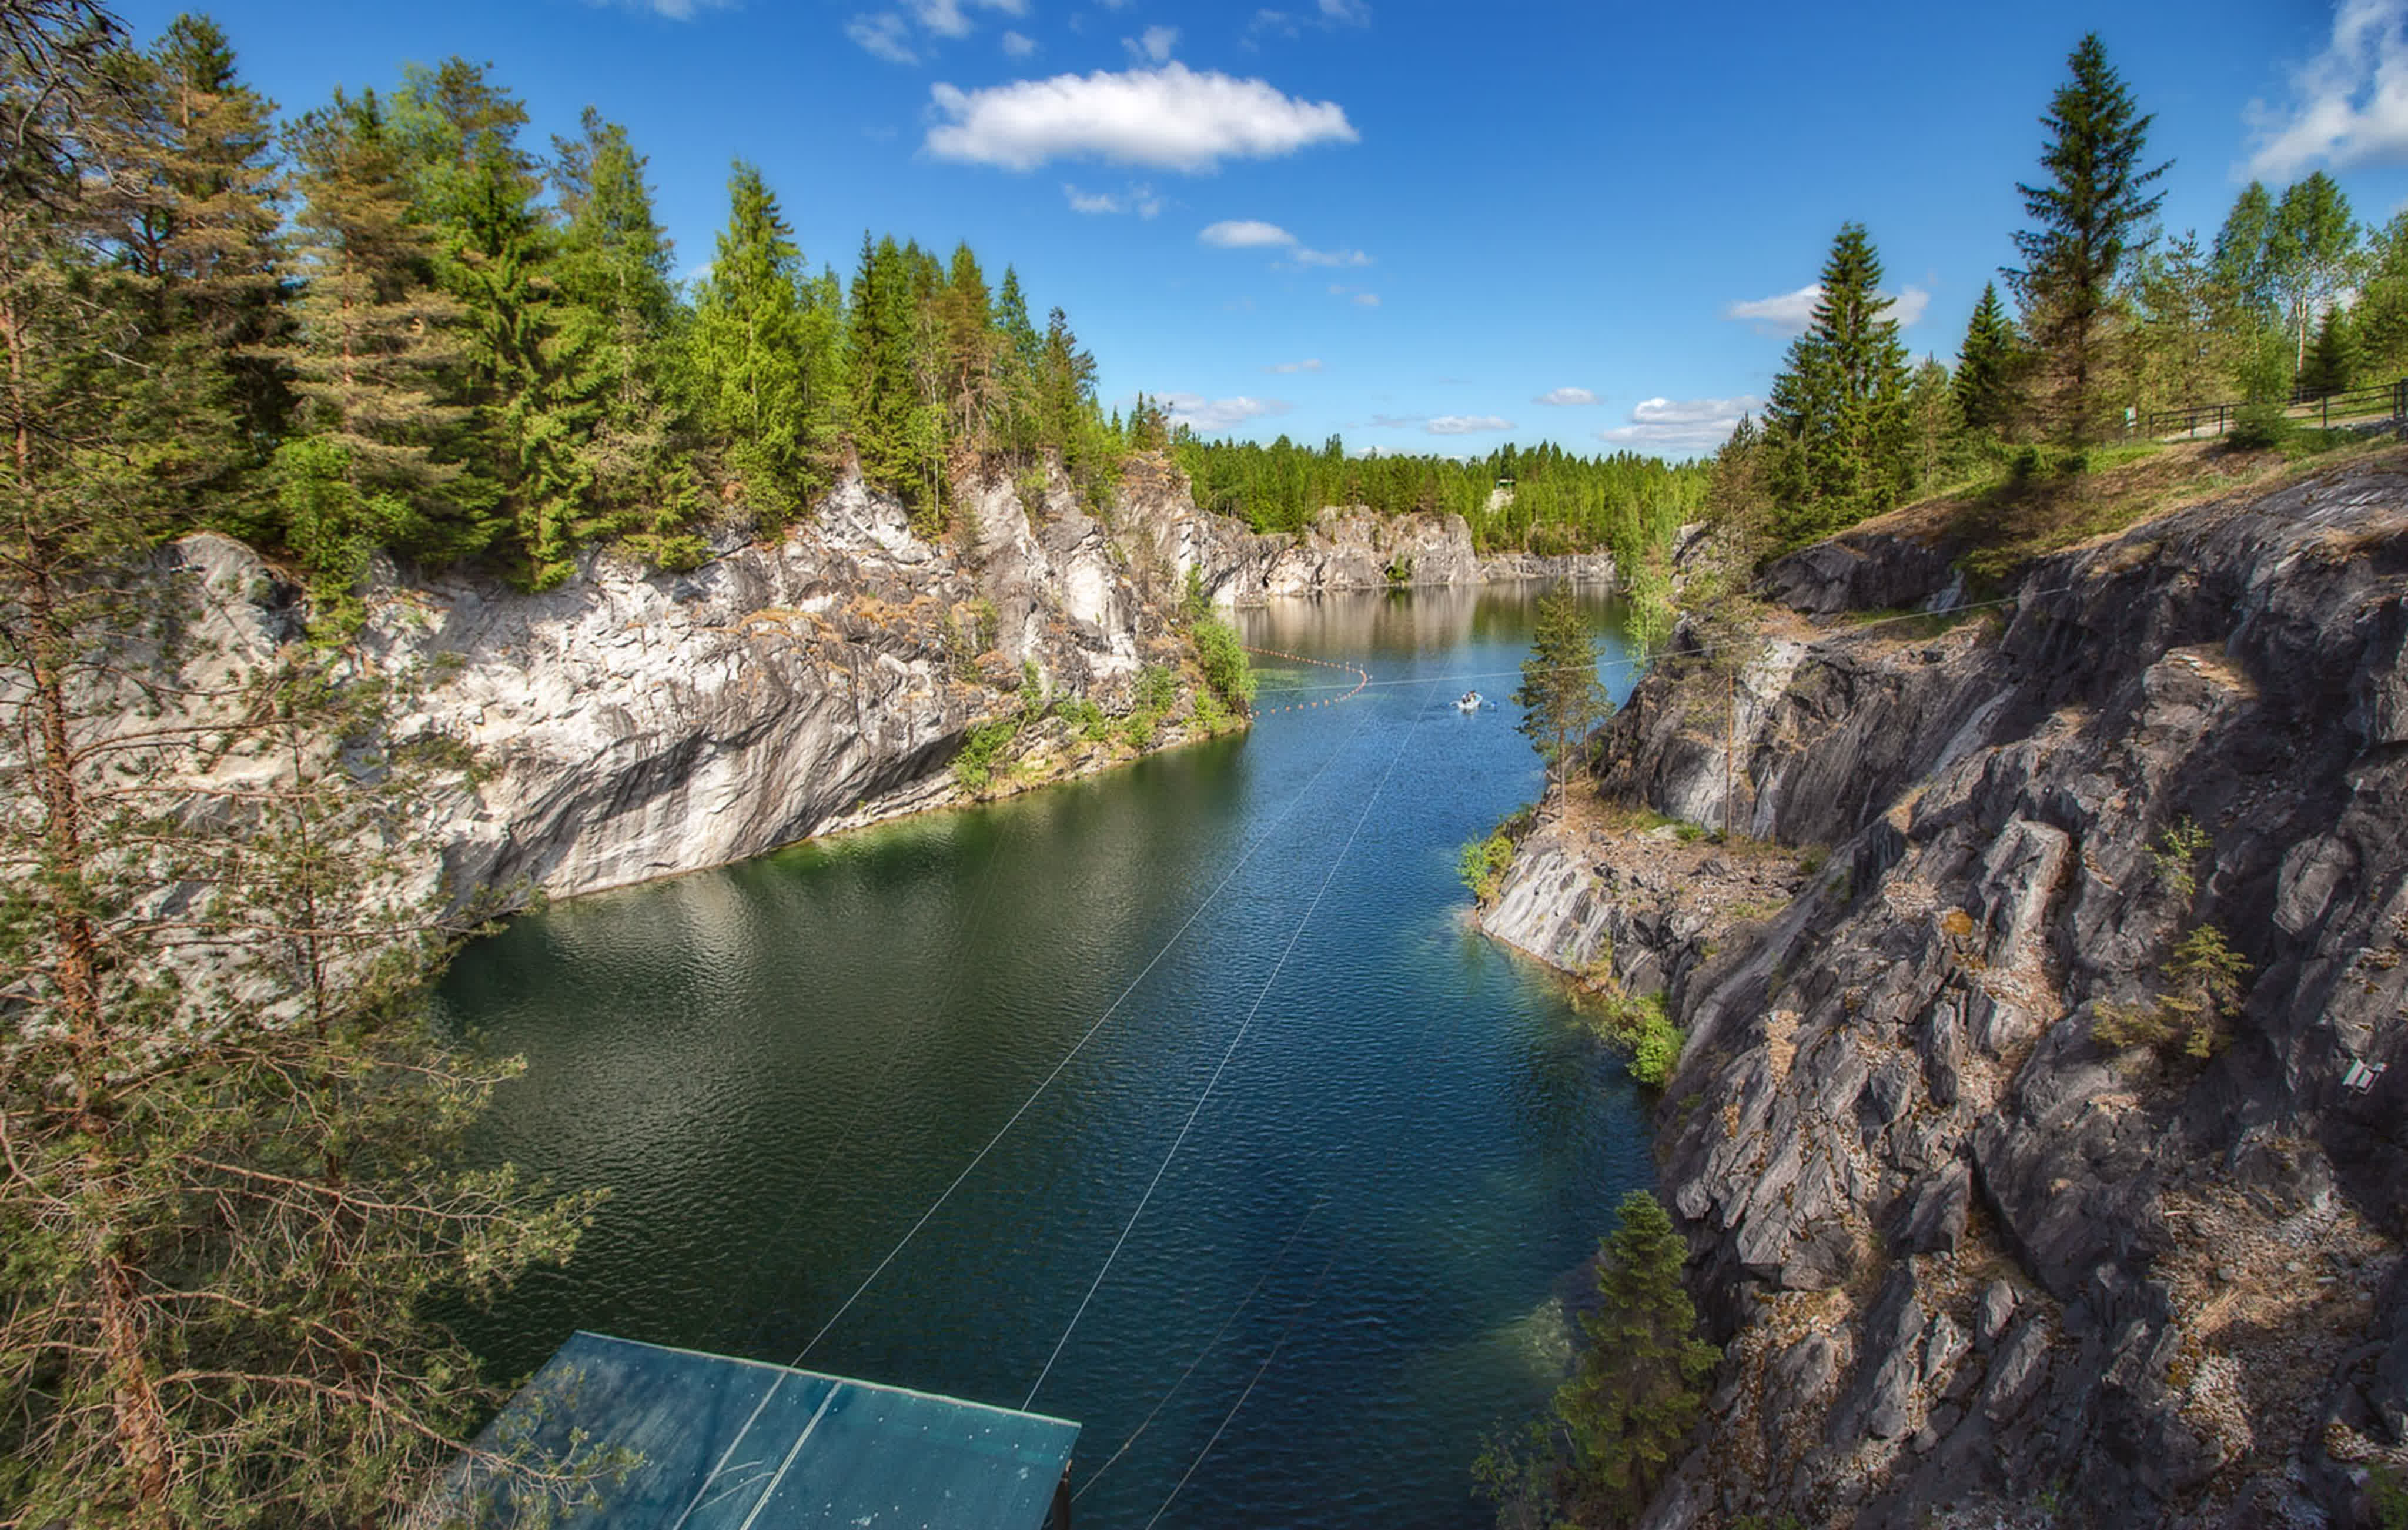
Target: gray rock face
column 2150, row 1287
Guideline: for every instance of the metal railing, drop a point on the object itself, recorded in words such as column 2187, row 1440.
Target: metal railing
column 2357, row 406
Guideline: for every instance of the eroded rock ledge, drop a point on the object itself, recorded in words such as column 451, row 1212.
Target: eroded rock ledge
column 1972, row 1265
column 631, row 725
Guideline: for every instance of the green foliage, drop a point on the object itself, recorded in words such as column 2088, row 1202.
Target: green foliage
column 1837, row 428
column 1561, row 697
column 1483, row 864
column 1223, row 659
column 1623, row 503
column 983, row 751
column 2387, row 1494
column 1641, row 1025
column 1985, row 365
column 1156, row 689
column 1085, row 718
column 2260, row 426
column 2089, row 213
column 1638, row 1392
column 2204, row 982
column 2175, row 857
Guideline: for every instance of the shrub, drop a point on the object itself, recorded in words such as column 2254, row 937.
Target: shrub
column 2175, row 856
column 1483, row 864
column 1642, row 1027
column 975, row 766
column 2204, row 986
column 1222, row 660
column 1156, row 690
column 2260, row 426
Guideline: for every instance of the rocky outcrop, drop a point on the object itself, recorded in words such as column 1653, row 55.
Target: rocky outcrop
column 1344, row 550
column 1974, row 1257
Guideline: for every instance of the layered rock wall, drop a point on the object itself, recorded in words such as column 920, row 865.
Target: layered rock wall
column 1973, row 1261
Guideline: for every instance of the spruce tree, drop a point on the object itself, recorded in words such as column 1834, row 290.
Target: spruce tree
column 752, row 354
column 2332, row 360
column 1985, row 366
column 610, row 267
column 2092, row 212
column 882, row 355
column 1638, row 1392
column 1837, row 422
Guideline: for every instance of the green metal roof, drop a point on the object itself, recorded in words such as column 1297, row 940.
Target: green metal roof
column 739, row 1445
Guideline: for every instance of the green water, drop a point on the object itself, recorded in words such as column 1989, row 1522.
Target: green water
column 1344, row 1271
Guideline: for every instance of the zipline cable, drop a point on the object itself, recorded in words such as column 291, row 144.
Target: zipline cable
column 869, row 1097
column 1210, row 1345
column 1046, row 1083
column 1235, row 1041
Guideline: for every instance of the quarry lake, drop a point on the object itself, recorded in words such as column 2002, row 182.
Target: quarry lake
column 1347, row 1271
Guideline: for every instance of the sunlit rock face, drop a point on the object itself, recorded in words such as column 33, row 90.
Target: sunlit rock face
column 1971, row 1255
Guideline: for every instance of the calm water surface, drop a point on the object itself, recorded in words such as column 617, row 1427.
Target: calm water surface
column 777, row 1067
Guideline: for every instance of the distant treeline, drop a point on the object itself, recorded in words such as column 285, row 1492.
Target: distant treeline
column 1559, row 502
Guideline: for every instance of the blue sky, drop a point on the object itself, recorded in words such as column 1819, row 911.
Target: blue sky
column 1428, row 227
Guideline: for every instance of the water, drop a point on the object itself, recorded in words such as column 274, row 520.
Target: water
column 777, row 1067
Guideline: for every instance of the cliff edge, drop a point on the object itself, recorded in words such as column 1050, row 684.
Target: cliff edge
column 2007, row 1209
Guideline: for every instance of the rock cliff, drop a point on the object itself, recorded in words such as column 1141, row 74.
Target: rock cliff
column 1980, row 1251
column 630, row 723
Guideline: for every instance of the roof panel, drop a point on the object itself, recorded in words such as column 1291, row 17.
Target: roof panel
column 738, row 1445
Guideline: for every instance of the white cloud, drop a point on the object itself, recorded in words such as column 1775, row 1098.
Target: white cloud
column 1173, row 117
column 1311, row 364
column 1788, row 313
column 1017, row 46
column 946, row 17
column 1346, row 13
column 1154, row 45
column 1561, row 396
column 1681, row 426
column 1140, row 200
column 1465, row 425
column 1202, row 413
column 1327, row 15
column 1246, row 234
column 1367, row 299
column 1791, row 312
column 2350, row 102
column 885, row 36
column 1331, row 257
column 675, row 10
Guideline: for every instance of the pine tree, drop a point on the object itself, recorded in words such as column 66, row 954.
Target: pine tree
column 1932, row 413
column 1985, row 365
column 375, row 365
column 1561, row 698
column 1637, row 1395
column 222, row 1197
column 1837, row 425
column 2183, row 336
column 2091, row 213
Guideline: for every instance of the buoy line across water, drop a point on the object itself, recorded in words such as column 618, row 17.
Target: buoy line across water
column 1362, row 678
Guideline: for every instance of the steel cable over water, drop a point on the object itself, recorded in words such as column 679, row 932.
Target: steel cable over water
column 1231, row 1050
column 1213, row 897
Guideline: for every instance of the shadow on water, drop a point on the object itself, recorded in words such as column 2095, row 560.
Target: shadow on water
column 778, row 1066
